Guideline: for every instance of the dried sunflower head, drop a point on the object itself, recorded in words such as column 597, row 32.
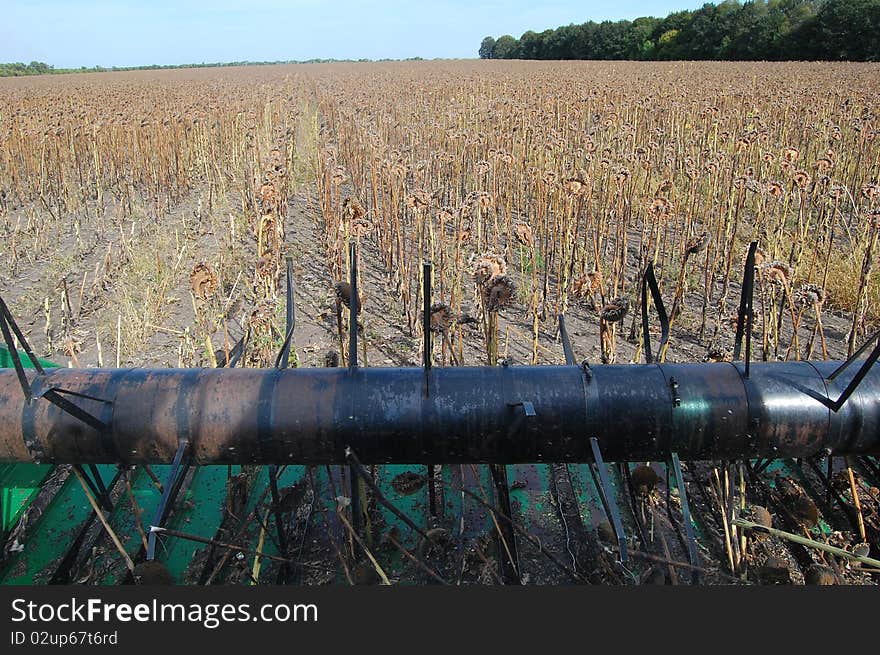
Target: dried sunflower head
column 523, row 233
column 442, row 317
column 499, row 293
column 716, row 355
column 203, row 281
column 697, row 244
column 343, row 295
column 615, row 310
column 268, row 197
column 574, row 186
column 774, row 189
column 338, row 176
column 331, row 359
column 802, row 179
column 446, row 214
column 266, row 266
column 352, row 209
column 809, row 295
column 660, row 207
column 777, row 272
column 360, row 227
column 824, row 164
column 418, row 200
column 487, row 266
column 586, row 286
column 871, row 191
column 262, row 316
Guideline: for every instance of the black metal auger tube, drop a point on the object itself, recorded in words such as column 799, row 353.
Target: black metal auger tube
column 504, row 414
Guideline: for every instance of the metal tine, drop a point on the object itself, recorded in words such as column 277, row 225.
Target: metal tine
column 175, row 480
column 426, row 319
column 685, row 513
column 172, row 486
column 96, row 475
column 570, row 360
column 606, row 494
column 282, row 361
column 368, row 479
column 237, row 351
column 427, row 270
column 835, row 405
column 869, row 464
column 16, row 360
column 7, row 315
column 831, row 492
column 355, row 305
column 566, row 342
column 626, row 474
column 745, row 313
column 840, row 369
column 762, row 466
column 53, row 395
column 509, row 556
column 649, row 281
column 96, row 485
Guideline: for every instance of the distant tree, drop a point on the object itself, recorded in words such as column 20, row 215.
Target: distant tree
column 848, row 29
column 639, row 44
column 506, row 47
column 487, row 48
column 531, row 46
column 559, row 44
column 748, row 30
column 667, row 45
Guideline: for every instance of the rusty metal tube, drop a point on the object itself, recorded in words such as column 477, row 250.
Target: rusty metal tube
column 505, row 414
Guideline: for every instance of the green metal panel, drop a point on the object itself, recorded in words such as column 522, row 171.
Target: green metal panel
column 6, row 360
column 55, row 531
column 19, row 483
column 198, row 512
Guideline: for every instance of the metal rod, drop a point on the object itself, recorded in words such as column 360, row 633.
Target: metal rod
column 426, row 319
column 353, row 309
column 607, row 493
column 685, row 514
column 745, row 317
column 649, row 283
column 426, row 361
column 167, row 495
column 309, row 416
column 283, row 359
column 508, row 553
column 566, row 342
column 857, row 378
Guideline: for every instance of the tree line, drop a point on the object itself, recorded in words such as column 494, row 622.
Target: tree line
column 755, row 30
column 18, row 69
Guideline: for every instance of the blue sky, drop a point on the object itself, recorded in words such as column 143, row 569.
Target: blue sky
column 126, row 33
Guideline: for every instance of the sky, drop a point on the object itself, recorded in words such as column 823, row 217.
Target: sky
column 73, row 33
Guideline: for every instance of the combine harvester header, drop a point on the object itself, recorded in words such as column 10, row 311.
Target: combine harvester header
column 459, row 415
column 497, row 415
